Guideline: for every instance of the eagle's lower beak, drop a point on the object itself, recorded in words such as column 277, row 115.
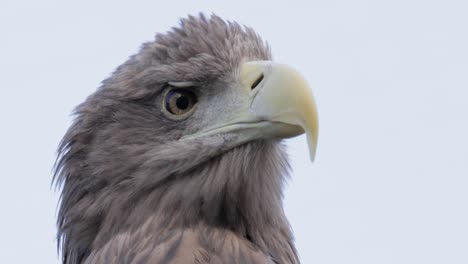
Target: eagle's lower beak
column 280, row 94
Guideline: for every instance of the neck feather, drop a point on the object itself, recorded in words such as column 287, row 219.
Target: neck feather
column 240, row 190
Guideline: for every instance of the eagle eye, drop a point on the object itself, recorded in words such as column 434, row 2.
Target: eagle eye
column 179, row 101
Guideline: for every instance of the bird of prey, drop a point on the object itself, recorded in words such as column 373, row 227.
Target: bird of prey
column 178, row 156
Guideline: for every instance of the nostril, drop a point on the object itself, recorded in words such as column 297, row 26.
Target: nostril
column 258, row 81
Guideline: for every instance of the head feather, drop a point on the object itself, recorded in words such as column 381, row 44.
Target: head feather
column 121, row 162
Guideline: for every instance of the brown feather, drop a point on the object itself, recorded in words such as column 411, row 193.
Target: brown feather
column 200, row 244
column 133, row 193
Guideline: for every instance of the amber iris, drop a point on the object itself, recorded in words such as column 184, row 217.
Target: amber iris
column 180, row 101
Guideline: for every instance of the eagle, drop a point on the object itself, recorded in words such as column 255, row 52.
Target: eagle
column 178, row 156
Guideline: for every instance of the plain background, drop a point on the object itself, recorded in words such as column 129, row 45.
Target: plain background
column 389, row 184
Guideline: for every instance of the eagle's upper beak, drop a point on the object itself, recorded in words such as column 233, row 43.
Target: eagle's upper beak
column 280, row 94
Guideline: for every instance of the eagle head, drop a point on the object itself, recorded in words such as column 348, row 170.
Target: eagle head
column 186, row 133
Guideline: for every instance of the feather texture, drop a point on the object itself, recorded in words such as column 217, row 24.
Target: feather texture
column 199, row 244
column 132, row 192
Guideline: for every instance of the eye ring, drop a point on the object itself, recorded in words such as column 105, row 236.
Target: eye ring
column 178, row 103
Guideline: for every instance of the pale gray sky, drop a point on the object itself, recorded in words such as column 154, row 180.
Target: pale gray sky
column 390, row 181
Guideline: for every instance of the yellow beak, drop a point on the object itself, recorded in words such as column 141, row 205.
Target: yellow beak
column 282, row 95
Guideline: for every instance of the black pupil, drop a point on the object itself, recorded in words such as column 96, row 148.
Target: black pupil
column 182, row 102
